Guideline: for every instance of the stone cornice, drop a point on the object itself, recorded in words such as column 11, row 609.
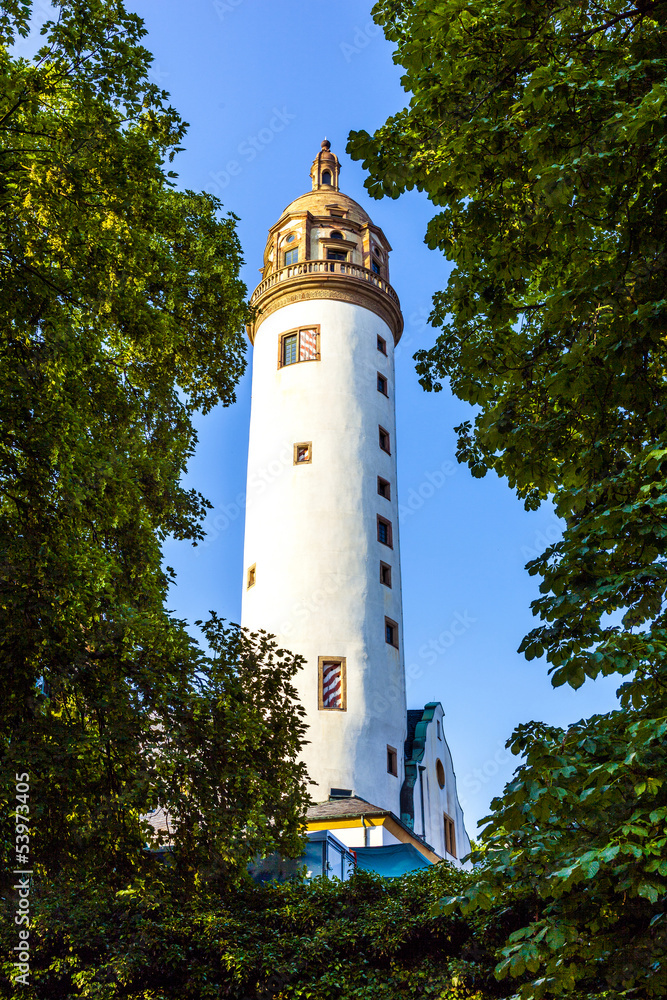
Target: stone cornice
column 323, row 279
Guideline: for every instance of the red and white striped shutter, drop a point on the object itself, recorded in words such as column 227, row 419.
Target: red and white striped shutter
column 308, row 345
column 332, row 685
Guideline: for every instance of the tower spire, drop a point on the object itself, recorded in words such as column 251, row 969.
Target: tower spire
column 325, row 169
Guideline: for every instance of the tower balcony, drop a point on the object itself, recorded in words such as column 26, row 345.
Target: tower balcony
column 326, row 279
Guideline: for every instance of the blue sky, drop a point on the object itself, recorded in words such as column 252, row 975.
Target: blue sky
column 261, row 84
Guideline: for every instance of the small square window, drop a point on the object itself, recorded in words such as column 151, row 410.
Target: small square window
column 382, row 345
column 384, row 531
column 384, row 440
column 303, row 453
column 332, row 683
column 336, row 255
column 385, row 574
column 251, row 576
column 383, row 385
column 392, row 761
column 391, row 632
column 384, row 488
column 450, row 835
column 291, row 256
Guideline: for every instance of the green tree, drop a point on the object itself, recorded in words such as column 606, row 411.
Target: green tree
column 121, row 315
column 365, row 939
column 539, row 132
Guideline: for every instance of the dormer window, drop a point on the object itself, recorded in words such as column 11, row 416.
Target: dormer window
column 335, row 235
column 326, row 177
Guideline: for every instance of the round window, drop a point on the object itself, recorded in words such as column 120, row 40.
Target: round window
column 290, row 238
column 336, row 235
column 376, row 252
column 440, row 773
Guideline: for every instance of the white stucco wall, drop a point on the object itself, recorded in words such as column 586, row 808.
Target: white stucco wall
column 438, row 801
column 375, row 836
column 311, row 530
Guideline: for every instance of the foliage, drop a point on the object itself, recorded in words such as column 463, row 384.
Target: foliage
column 579, row 838
column 212, row 739
column 121, row 314
column 539, row 131
column 366, row 938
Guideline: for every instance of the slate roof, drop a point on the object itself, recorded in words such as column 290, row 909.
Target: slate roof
column 352, row 808
column 347, row 808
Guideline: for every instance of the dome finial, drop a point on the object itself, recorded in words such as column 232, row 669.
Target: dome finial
column 325, row 168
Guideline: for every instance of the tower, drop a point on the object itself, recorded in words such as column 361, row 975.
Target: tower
column 321, row 543
column 321, row 558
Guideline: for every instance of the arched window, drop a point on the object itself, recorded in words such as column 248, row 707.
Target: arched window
column 326, row 177
column 336, row 235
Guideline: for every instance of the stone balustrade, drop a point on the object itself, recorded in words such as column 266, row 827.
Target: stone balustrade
column 319, row 268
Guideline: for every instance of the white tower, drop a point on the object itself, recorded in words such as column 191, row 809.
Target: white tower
column 322, row 566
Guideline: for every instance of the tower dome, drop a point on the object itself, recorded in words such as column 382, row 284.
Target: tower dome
column 325, row 246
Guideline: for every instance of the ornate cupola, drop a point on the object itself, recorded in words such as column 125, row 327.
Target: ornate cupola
column 325, row 169
column 325, row 246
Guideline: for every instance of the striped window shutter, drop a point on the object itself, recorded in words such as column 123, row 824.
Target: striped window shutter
column 308, row 345
column 332, row 684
